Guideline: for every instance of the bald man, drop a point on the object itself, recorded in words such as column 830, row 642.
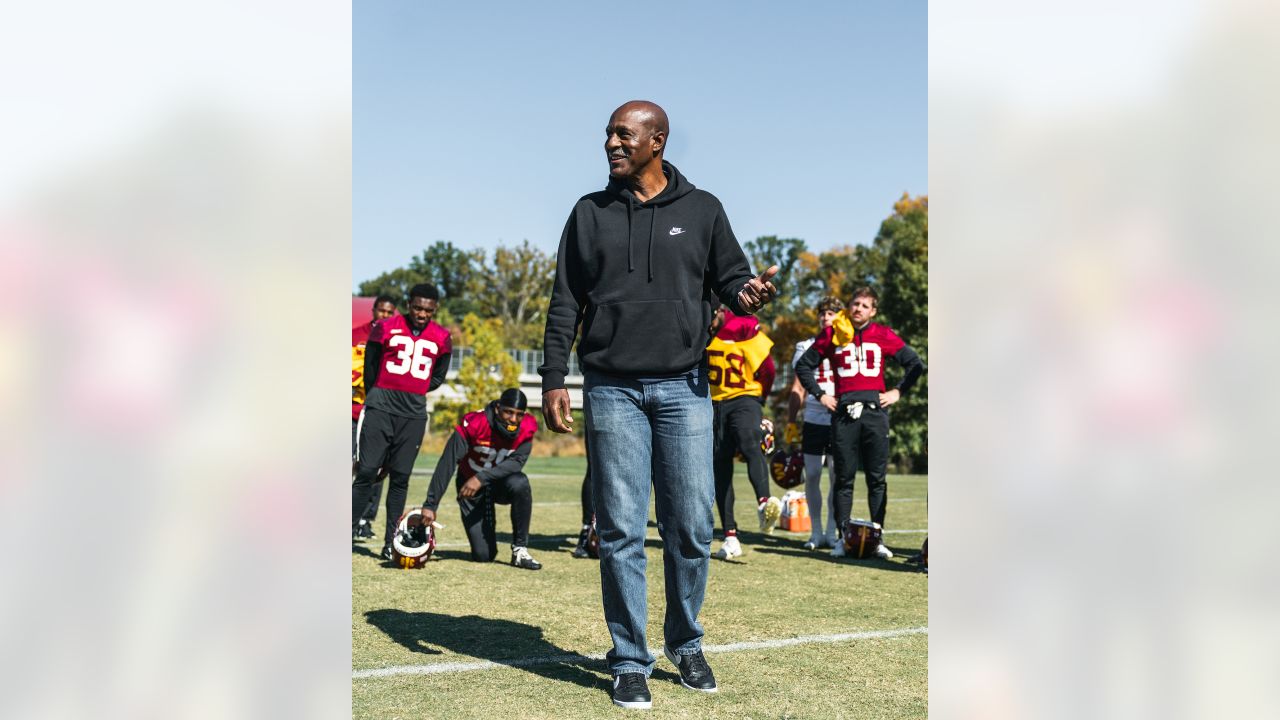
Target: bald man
column 637, row 265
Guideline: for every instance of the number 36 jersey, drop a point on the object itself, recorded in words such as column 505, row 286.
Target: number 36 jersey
column 407, row 359
column 859, row 364
column 486, row 448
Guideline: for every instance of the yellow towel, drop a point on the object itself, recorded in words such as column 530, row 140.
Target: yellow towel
column 842, row 328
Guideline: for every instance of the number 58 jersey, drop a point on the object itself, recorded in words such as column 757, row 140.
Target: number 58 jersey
column 407, row 359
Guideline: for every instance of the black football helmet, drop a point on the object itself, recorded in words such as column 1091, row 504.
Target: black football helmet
column 787, row 468
column 861, row 538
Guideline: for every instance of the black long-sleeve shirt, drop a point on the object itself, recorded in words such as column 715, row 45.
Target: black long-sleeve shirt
column 454, row 451
column 906, row 357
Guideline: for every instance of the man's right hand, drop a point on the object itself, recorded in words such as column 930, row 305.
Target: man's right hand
column 829, row 402
column 428, row 515
column 555, row 410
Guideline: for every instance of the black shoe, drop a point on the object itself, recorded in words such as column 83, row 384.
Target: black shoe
column 581, row 550
column 695, row 673
column 387, row 553
column 364, row 531
column 631, row 690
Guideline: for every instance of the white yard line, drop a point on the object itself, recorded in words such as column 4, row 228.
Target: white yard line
column 457, row 667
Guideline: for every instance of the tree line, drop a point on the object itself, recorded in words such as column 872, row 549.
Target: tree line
column 497, row 300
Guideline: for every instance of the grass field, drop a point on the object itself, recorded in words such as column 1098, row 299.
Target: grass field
column 462, row 614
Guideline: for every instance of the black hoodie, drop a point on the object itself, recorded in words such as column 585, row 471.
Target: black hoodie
column 638, row 277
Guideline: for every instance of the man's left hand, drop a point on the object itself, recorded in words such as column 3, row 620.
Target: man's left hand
column 889, row 398
column 758, row 291
column 470, row 488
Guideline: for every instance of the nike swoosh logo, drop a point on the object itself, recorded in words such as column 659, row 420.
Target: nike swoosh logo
column 676, row 231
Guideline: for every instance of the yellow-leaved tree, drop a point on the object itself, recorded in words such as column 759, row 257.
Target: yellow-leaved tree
column 485, row 372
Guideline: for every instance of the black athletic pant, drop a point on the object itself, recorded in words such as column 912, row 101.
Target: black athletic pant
column 478, row 515
column 371, row 512
column 385, row 440
column 861, row 443
column 737, row 429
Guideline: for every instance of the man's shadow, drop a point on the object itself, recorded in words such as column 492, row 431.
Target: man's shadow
column 501, row 641
column 505, row 642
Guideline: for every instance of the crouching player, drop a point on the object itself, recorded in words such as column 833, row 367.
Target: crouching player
column 489, row 449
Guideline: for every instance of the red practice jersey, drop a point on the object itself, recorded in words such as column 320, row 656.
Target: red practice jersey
column 486, row 448
column 407, row 361
column 859, row 365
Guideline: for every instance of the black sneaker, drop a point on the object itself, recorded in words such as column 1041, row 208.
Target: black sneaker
column 631, row 690
column 581, row 550
column 364, row 531
column 387, row 553
column 695, row 673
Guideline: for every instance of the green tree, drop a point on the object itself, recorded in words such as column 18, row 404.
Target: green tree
column 395, row 283
column 516, row 286
column 483, row 375
column 904, row 306
column 455, row 272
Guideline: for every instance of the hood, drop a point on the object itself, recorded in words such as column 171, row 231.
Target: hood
column 677, row 187
column 738, row 327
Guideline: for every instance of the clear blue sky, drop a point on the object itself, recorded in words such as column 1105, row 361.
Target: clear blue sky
column 482, row 122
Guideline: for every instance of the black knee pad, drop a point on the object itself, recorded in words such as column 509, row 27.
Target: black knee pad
column 518, row 484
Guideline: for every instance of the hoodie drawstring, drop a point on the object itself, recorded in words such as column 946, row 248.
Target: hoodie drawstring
column 653, row 220
column 630, row 265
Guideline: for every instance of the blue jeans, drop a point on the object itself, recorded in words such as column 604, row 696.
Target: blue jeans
column 641, row 431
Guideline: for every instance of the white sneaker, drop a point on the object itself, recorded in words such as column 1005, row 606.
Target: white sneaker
column 811, row 544
column 769, row 511
column 730, row 548
column 837, row 551
column 883, row 552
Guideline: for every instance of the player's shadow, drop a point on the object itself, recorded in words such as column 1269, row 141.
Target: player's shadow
column 505, row 642
column 796, row 549
column 364, row 550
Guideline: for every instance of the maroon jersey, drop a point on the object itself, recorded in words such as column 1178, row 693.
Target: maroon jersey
column 407, row 360
column 859, row 365
column 486, row 448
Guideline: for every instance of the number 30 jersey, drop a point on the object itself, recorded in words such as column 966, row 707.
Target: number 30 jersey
column 486, row 448
column 859, row 364
column 407, row 359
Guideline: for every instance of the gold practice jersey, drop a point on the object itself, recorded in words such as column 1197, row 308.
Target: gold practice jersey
column 732, row 366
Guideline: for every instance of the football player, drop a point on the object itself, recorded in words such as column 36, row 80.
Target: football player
column 488, row 449
column 816, row 435
column 584, row 548
column 858, row 349
column 384, row 307
column 740, row 373
column 406, row 357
